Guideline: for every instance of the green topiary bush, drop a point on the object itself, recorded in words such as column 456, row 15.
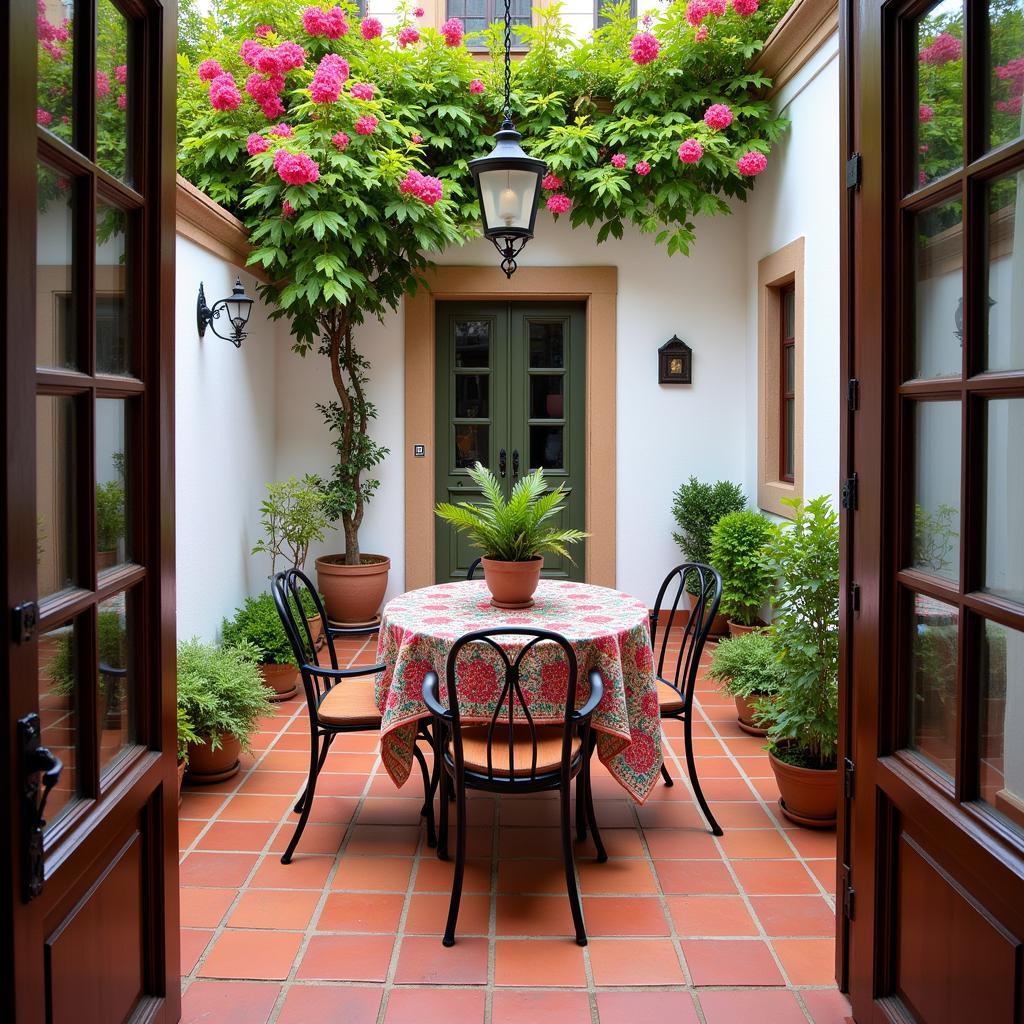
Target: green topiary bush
column 747, row 666
column 696, row 508
column 737, row 552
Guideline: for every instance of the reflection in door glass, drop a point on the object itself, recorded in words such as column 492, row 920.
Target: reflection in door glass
column 547, row 345
column 55, row 311
column 59, row 672
column 115, row 705
column 56, row 508
column 938, row 271
column 55, row 63
column 1004, row 498
column 471, row 396
column 546, row 399
column 933, row 676
column 113, row 342
column 112, row 143
column 1004, row 348
column 111, row 469
column 471, row 444
column 546, row 447
column 1006, row 59
column 937, row 488
column 940, row 91
column 472, row 343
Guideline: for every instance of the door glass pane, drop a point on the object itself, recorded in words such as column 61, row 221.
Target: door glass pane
column 1006, row 58
column 547, row 345
column 56, row 508
column 940, row 91
column 111, row 469
column 471, row 396
column 1004, row 498
column 933, row 675
column 55, row 319
column 546, row 447
column 471, row 445
column 55, row 66
column 115, row 706
column 111, row 90
column 59, row 673
column 472, row 343
column 937, row 488
column 1001, row 746
column 1005, row 271
column 113, row 340
column 547, row 402
column 938, row 272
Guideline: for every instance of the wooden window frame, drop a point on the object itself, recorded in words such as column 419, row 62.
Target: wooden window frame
column 786, row 342
column 778, row 273
column 496, row 13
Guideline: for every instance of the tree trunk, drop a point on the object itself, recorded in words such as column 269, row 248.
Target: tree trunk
column 352, row 556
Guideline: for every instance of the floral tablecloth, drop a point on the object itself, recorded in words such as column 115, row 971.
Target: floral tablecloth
column 607, row 629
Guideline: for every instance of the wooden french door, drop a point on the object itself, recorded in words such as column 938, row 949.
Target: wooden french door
column 933, row 651
column 509, row 394
column 88, row 735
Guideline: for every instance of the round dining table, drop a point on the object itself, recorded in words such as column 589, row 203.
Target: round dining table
column 607, row 629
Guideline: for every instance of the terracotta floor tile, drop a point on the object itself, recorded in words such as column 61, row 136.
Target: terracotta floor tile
column 756, row 766
column 361, row 912
column 383, row 840
column 228, row 1002
column 530, row 812
column 428, row 913
column 725, row 790
column 755, row 844
column 730, row 962
column 203, row 908
column 616, row 877
column 269, row 908
column 694, row 876
column 238, row 836
column 537, row 963
column 187, row 832
column 229, row 870
column 825, row 872
column 646, row 1008
column 512, row 1007
column 739, row 815
column 711, row 915
column 534, row 915
column 634, row 962
column 257, row 808
column 436, row 875
column 677, row 844
column 329, row 1004
column 814, row 842
column 806, row 916
column 529, row 843
column 424, row 961
column 346, row 958
column 743, row 1007
column 332, row 810
column 263, row 955
column 286, row 761
column 384, row 874
column 193, row 944
column 304, row 872
column 827, row 1006
column 393, row 811
column 808, row 961
column 680, row 814
column 261, row 783
column 541, row 876
column 200, row 805
column 774, row 877
column 436, row 1006
column 316, row 837
column 623, row 916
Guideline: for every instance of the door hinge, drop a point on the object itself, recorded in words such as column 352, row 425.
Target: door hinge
column 853, row 394
column 853, row 171
column 849, row 492
column 848, row 772
column 848, row 897
column 854, row 596
column 24, row 622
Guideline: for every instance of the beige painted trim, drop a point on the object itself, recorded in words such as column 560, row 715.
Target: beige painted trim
column 795, row 39
column 774, row 271
column 598, row 288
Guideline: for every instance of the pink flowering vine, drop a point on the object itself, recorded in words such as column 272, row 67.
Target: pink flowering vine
column 267, row 93
column 697, row 11
column 642, row 167
column 425, row 188
column 745, row 8
column 718, row 116
column 263, row 30
column 716, row 7
column 361, row 90
column 453, row 31
column 752, row 164
column 644, row 47
column 371, row 28
column 102, row 84
column 407, row 35
column 944, row 49
column 476, row 86
column 330, row 75
column 559, row 203
column 282, row 131
column 122, row 101
column 224, row 94
column 925, row 113
column 340, row 141
column 256, row 144
column 318, row 22
column 619, row 160
column 1011, row 106
column 690, row 151
column 701, row 34
column 121, row 73
column 366, row 125
column 551, row 183
column 295, row 168
column 43, row 117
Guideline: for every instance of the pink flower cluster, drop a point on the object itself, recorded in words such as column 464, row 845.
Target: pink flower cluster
column 701, row 34
column 559, row 203
column 43, row 117
column 745, row 8
column 331, row 74
column 287, row 210
column 551, row 182
column 944, row 49
column 121, row 73
column 295, row 168
column 270, row 63
column 1013, row 73
column 49, row 34
column 642, row 167
column 697, row 11
column 102, row 84
column 407, row 35
column 752, row 164
column 417, row 139
column 361, row 90
column 925, row 113
column 691, row 151
column 371, row 28
column 1011, row 106
column 718, row 116
column 643, row 48
column 425, row 188
column 366, row 125
column 224, row 94
column 619, row 160
column 282, row 131
column 263, row 30
column 318, row 22
column 256, row 144
column 476, row 86
column 340, row 141
column 453, row 31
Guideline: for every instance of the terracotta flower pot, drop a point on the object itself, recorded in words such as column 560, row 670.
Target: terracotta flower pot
column 352, row 593
column 512, row 584
column 738, row 629
column 720, row 624
column 182, row 765
column 105, row 559
column 206, row 766
column 809, row 796
column 316, row 630
column 282, row 679
column 745, row 716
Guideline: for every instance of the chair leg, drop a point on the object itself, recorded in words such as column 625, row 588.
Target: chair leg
column 665, row 775
column 428, row 806
column 592, row 817
column 328, row 740
column 581, row 811
column 442, row 836
column 308, row 793
column 460, row 863
column 570, row 874
column 691, row 769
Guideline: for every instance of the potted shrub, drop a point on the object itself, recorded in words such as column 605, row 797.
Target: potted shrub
column 110, row 522
column 221, row 696
column 186, row 736
column 513, row 535
column 737, row 547
column 258, row 626
column 112, row 656
column 748, row 668
column 804, row 557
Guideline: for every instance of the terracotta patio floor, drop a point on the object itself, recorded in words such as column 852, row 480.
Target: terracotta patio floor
column 683, row 927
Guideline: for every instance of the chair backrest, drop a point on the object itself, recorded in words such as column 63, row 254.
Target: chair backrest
column 293, row 591
column 704, row 584
column 510, row 719
column 473, row 566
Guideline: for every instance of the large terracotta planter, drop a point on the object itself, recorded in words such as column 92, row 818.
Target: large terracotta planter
column 738, row 629
column 282, row 679
column 745, row 716
column 106, row 559
column 206, row 766
column 809, row 796
column 720, row 624
column 512, row 584
column 182, row 765
column 316, row 630
column 352, row 593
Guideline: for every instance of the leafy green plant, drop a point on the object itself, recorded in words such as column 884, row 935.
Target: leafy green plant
column 293, row 515
column 258, row 625
column 737, row 548
column 112, row 652
column 747, row 666
column 516, row 530
column 696, row 508
column 186, row 734
column 936, row 537
column 220, row 692
column 804, row 557
column 110, row 515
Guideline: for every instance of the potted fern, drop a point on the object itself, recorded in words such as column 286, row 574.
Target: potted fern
column 513, row 534
column 747, row 668
column 737, row 547
column 257, row 625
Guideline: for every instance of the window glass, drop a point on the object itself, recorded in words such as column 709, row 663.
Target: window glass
column 60, row 674
column 112, row 85
column 1004, row 270
column 933, row 698
column 1004, row 498
column 111, row 483
column 56, row 507
column 115, row 676
column 113, row 338
column 55, row 291
column 938, row 291
column 1006, row 60
column 55, row 66
column 940, row 92
column 936, row 509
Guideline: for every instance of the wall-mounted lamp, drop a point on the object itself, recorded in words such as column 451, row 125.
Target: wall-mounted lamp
column 237, row 309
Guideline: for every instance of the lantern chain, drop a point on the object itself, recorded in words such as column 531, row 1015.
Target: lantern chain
column 508, row 60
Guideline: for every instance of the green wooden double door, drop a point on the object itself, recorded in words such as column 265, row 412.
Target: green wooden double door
column 510, row 394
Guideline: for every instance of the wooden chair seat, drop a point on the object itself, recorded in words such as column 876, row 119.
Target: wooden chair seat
column 669, row 700
column 549, row 750
column 349, row 703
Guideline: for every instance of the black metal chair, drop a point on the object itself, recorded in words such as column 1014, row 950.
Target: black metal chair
column 339, row 700
column 675, row 692
column 512, row 753
column 473, row 566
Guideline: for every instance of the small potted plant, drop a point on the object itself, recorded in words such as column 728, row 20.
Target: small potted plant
column 186, row 736
column 748, row 668
column 110, row 522
column 804, row 557
column 737, row 546
column 222, row 697
column 112, row 663
column 258, row 625
column 513, row 535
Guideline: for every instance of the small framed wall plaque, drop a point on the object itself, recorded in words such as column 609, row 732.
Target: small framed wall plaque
column 675, row 362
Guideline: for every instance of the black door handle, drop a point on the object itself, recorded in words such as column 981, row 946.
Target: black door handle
column 501, row 462
column 40, row 772
column 515, row 463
